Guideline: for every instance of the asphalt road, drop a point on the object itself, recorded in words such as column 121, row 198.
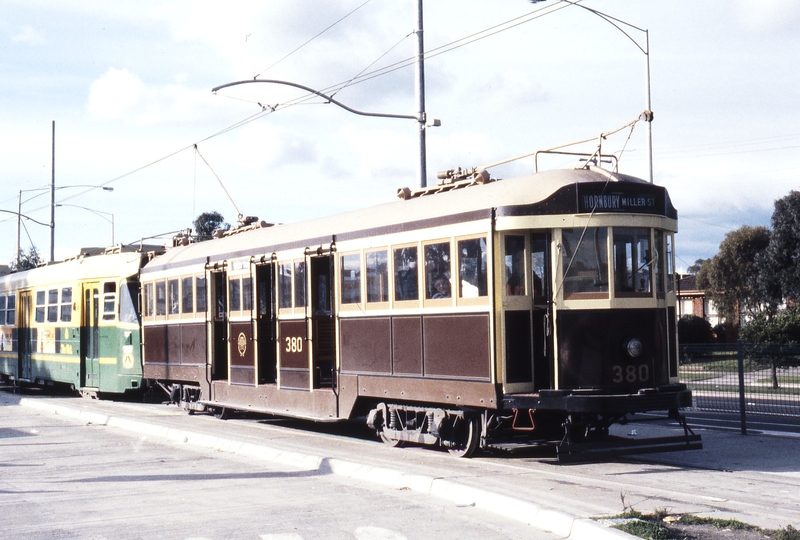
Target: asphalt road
column 753, row 478
column 66, row 479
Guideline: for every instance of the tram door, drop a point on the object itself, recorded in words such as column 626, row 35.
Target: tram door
column 526, row 303
column 90, row 336
column 322, row 321
column 24, row 334
column 219, row 326
column 266, row 324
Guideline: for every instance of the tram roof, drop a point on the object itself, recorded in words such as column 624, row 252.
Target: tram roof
column 84, row 268
column 457, row 205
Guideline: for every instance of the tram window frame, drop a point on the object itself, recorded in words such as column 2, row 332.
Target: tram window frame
column 247, row 294
column 160, row 296
column 434, row 271
column 200, row 294
column 2, row 309
column 285, row 284
column 187, row 296
column 300, row 284
column 469, row 293
column 11, row 309
column 234, row 294
column 52, row 305
column 660, row 262
column 40, row 307
column 173, row 298
column 669, row 245
column 66, row 304
column 377, row 297
column 148, row 301
column 109, row 301
column 514, row 274
column 406, row 275
column 351, row 272
column 540, row 260
column 574, row 249
column 627, row 254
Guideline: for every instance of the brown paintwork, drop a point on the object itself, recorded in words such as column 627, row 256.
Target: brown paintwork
column 366, row 345
column 451, row 392
column 457, row 346
column 407, row 345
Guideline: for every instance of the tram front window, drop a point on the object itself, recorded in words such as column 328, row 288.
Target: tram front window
column 584, row 261
column 632, row 260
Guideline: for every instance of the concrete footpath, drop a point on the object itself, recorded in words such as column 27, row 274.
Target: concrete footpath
column 525, row 510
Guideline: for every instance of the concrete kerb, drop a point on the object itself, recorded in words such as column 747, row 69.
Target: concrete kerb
column 530, row 513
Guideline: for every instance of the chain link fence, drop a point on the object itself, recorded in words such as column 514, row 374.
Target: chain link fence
column 745, row 378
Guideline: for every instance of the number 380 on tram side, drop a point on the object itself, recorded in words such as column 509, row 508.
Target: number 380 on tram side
column 472, row 314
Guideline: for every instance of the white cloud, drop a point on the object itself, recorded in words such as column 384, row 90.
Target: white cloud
column 28, row 34
column 115, row 94
column 769, row 15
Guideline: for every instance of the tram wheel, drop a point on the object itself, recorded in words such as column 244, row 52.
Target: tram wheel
column 389, row 441
column 464, row 436
column 222, row 413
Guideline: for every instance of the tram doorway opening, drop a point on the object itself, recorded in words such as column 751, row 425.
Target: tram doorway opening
column 265, row 324
column 219, row 326
column 322, row 320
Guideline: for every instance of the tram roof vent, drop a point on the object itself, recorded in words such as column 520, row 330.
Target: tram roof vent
column 248, row 223
column 449, row 180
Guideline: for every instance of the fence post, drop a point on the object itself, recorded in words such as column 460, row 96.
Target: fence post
column 742, row 403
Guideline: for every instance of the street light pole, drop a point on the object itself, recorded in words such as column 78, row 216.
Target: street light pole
column 423, row 160
column 53, row 199
column 98, row 213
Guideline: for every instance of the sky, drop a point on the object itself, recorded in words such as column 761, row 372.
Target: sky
column 128, row 85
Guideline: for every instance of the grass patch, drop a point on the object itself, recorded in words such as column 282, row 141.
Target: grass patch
column 654, row 527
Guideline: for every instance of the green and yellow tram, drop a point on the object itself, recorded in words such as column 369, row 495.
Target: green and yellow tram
column 74, row 323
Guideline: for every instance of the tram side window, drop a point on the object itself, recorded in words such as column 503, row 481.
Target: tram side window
column 472, row 268
column 406, row 278
column 149, row 300
column 109, row 300
column 52, row 305
column 299, row 284
column 235, row 294
column 285, row 285
column 2, row 310
column 515, row 265
column 173, row 297
column 247, row 293
column 632, row 259
column 187, row 298
column 437, row 271
column 161, row 298
column 584, row 262
column 66, row 304
column 377, row 276
column 540, row 264
column 660, row 261
column 128, row 294
column 11, row 311
column 670, row 263
column 351, row 279
column 200, row 293
column 39, row 306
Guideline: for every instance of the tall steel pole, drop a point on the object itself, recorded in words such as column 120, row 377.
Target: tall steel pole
column 53, row 199
column 649, row 108
column 423, row 168
column 19, row 223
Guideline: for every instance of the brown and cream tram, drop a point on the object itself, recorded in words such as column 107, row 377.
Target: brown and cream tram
column 476, row 313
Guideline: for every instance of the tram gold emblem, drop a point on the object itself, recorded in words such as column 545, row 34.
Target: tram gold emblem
column 241, row 342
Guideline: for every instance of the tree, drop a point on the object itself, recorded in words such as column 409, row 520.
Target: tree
column 782, row 257
column 773, row 339
column 207, row 222
column 733, row 277
column 695, row 268
column 27, row 261
column 694, row 329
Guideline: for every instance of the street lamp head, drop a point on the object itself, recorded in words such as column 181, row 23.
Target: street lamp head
column 108, row 188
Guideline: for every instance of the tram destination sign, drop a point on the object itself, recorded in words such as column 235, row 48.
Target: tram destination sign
column 640, row 200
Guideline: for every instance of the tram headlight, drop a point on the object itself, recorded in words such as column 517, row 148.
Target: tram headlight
column 634, row 348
